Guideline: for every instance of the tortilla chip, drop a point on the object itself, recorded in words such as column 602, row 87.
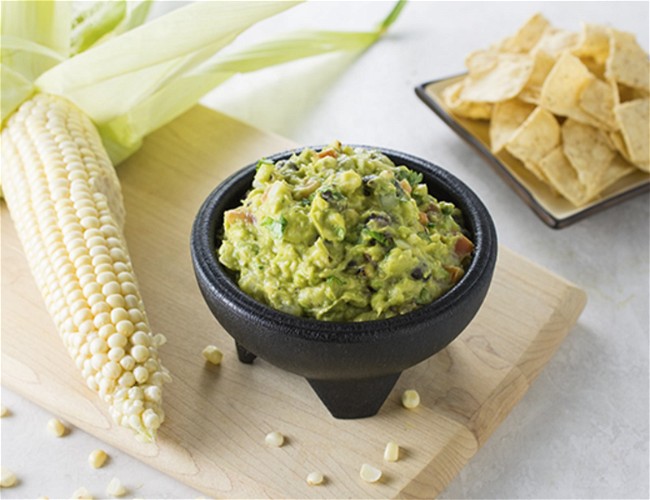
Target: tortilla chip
column 593, row 43
column 627, row 62
column 623, row 93
column 536, row 171
column 541, row 68
column 588, row 151
column 595, row 68
column 504, row 81
column 536, row 137
column 563, row 86
column 618, row 168
column 595, row 83
column 597, row 98
column 527, row 36
column 619, row 144
column 563, row 177
column 468, row 109
column 481, row 61
column 507, row 116
column 530, row 95
column 556, row 41
column 632, row 117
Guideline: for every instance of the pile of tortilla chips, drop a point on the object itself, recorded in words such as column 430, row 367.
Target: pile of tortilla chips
column 573, row 107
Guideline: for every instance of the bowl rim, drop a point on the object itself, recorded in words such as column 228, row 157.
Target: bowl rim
column 212, row 274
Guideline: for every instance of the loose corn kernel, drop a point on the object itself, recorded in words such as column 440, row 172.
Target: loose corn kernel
column 3, row 411
column 97, row 458
column 7, row 478
column 369, row 473
column 391, row 453
column 56, row 427
column 410, row 399
column 274, row 439
column 212, row 354
column 82, row 494
column 315, row 478
column 115, row 488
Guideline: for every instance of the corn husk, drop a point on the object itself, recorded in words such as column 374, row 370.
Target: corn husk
column 132, row 77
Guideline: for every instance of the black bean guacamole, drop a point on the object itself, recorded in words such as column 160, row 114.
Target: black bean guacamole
column 343, row 234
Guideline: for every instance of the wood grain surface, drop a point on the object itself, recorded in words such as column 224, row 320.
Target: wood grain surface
column 217, row 417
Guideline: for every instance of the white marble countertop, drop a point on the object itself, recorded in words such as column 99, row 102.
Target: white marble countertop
column 582, row 429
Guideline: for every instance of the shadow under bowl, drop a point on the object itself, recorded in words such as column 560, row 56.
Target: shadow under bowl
column 352, row 366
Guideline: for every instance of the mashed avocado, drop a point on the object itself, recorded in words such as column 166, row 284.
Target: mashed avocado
column 343, row 234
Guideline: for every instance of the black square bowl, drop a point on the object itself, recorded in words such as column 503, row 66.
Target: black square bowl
column 352, row 366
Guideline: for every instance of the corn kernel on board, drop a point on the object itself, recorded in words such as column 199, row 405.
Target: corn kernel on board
column 218, row 416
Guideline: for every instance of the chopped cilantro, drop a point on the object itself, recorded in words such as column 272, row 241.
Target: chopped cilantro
column 275, row 226
column 335, row 280
column 377, row 236
column 330, row 194
column 263, row 161
column 446, row 208
column 413, row 178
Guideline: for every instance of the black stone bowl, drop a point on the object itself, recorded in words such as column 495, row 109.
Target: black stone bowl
column 352, row 366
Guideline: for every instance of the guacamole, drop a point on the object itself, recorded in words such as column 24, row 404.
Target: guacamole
column 343, row 234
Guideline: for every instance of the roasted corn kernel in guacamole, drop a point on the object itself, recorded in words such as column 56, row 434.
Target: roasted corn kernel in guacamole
column 343, row 234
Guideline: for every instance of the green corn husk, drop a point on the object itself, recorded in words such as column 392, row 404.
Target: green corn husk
column 131, row 77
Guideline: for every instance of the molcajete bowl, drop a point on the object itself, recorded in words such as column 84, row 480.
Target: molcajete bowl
column 352, row 366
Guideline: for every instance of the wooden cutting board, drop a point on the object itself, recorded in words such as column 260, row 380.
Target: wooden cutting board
column 217, row 417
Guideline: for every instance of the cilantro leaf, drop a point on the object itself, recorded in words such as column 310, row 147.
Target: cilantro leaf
column 413, row 178
column 377, row 236
column 275, row 226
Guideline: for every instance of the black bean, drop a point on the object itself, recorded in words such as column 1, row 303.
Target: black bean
column 381, row 220
column 367, row 184
column 327, row 195
column 417, row 273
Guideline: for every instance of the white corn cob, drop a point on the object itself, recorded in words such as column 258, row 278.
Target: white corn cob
column 65, row 200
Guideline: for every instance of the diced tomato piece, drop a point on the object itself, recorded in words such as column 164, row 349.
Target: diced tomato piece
column 424, row 219
column 455, row 273
column 406, row 186
column 239, row 215
column 464, row 246
column 327, row 152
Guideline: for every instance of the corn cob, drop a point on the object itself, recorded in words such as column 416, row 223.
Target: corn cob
column 65, row 200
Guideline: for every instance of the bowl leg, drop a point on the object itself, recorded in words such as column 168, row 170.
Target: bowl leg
column 244, row 355
column 356, row 398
